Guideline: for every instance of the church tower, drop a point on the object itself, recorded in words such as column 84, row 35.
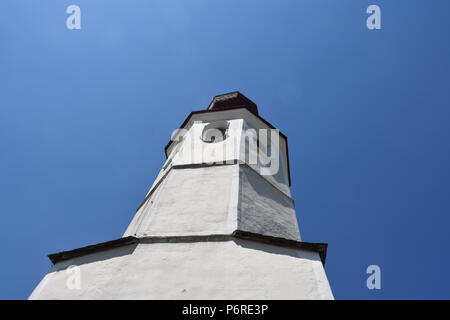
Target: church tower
column 218, row 222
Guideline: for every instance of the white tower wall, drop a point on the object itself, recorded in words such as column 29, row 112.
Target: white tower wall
column 191, row 270
column 214, row 225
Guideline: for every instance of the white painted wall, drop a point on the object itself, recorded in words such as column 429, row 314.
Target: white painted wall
column 264, row 209
column 215, row 200
column 204, row 201
column 238, row 269
column 193, row 202
column 234, row 147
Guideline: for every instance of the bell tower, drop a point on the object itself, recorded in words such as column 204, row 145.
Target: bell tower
column 218, row 222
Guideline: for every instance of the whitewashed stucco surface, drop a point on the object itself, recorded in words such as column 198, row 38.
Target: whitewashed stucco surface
column 238, row 269
column 264, row 209
column 192, row 198
column 188, row 148
column 215, row 200
column 193, row 202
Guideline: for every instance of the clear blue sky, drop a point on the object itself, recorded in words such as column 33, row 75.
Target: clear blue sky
column 85, row 114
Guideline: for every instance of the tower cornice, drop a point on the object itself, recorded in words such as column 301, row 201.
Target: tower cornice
column 320, row 248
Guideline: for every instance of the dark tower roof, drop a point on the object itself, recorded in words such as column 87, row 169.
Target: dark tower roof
column 232, row 100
